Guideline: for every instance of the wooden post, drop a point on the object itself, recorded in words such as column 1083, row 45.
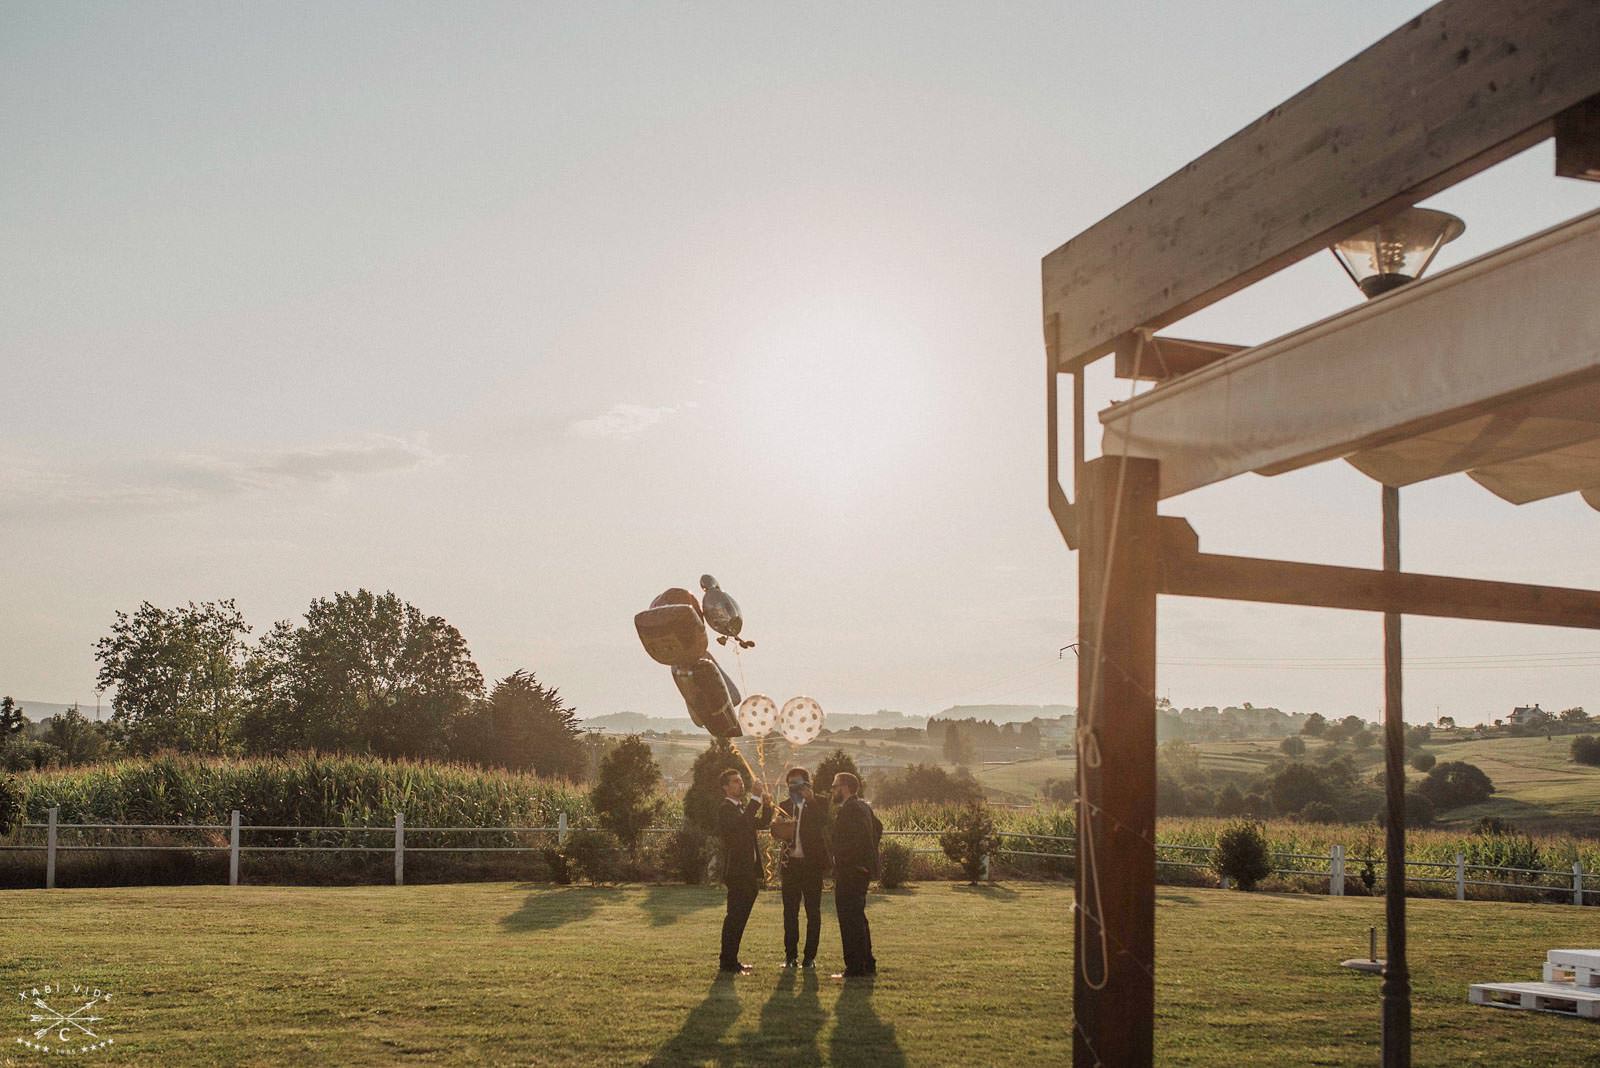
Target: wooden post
column 1114, row 922
column 1577, row 882
column 1336, row 871
column 1396, row 975
column 50, row 848
column 561, row 829
column 233, row 849
column 1461, row 876
column 399, row 849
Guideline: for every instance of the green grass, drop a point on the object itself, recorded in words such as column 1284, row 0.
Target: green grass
column 524, row 974
column 1538, row 785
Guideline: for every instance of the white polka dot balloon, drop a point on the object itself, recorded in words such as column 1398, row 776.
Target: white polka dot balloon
column 801, row 720
column 758, row 715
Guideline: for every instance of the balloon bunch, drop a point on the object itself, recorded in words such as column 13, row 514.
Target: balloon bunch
column 799, row 721
column 673, row 632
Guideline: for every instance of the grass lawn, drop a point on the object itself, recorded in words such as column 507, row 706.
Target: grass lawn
column 522, row 974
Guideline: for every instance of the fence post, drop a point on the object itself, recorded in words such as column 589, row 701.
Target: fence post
column 1336, row 871
column 399, row 849
column 233, row 849
column 50, row 849
column 1577, row 882
column 1461, row 876
column 986, row 864
column 561, row 829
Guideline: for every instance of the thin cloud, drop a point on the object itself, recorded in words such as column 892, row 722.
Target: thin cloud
column 190, row 479
column 620, row 421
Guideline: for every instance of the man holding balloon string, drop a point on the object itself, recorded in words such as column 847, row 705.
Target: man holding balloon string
column 800, row 825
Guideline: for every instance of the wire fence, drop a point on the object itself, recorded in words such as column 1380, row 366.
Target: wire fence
column 1048, row 854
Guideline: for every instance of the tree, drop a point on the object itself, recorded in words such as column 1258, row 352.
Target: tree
column 1424, row 761
column 833, row 764
column 624, row 798
column 523, row 726
column 1586, row 750
column 12, row 721
column 1454, row 784
column 1180, row 760
column 364, row 673
column 80, row 740
column 970, row 839
column 1315, row 726
column 705, row 788
column 1230, row 802
column 1447, row 723
column 1363, row 739
column 1295, row 786
column 1242, row 854
column 958, row 747
column 1574, row 715
column 931, row 783
column 177, row 675
column 1295, row 747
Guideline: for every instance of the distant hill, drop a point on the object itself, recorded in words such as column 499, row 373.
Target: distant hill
column 38, row 711
column 1005, row 713
column 638, row 722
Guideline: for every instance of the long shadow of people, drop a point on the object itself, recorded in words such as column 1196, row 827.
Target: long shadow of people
column 859, row 1036
column 669, row 904
column 699, row 1040
column 790, row 1022
column 547, row 908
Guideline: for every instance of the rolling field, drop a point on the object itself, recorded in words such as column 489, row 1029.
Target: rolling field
column 1537, row 784
column 534, row 974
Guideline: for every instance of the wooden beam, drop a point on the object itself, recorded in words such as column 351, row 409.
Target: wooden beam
column 1578, row 141
column 1455, row 90
column 1114, row 979
column 1241, row 578
column 1167, row 357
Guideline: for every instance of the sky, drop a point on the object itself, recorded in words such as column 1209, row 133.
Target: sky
column 527, row 312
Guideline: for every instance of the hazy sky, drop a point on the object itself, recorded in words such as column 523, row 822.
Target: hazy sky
column 527, row 312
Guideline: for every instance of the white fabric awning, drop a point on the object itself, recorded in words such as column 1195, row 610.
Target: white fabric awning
column 1491, row 368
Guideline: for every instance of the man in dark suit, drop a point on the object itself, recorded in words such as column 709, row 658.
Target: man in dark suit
column 804, row 864
column 856, row 831
column 738, row 820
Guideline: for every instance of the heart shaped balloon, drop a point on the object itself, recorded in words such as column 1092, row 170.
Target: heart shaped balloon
column 801, row 720
column 758, row 715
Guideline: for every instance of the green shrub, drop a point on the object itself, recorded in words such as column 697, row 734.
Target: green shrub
column 1424, row 761
column 594, row 854
column 895, row 865
column 624, row 796
column 970, row 839
column 1586, row 749
column 690, row 851
column 1242, row 854
column 10, row 803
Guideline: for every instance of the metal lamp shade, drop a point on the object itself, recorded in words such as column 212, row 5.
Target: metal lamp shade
column 1397, row 250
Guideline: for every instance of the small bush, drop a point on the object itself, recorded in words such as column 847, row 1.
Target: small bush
column 970, row 839
column 895, row 865
column 596, row 855
column 1586, row 749
column 1424, row 762
column 690, row 852
column 1242, row 854
column 10, row 803
column 556, row 861
column 1319, row 812
column 1419, row 811
column 1293, row 746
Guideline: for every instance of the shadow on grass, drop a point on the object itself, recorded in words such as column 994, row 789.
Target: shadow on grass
column 860, row 1037
column 669, row 904
column 993, row 891
column 790, row 1022
column 547, row 908
column 699, row 1040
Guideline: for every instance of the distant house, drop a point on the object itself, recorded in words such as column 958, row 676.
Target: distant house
column 1528, row 714
column 1054, row 732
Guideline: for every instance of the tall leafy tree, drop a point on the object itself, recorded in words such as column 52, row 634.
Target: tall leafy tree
column 524, row 726
column 705, row 791
column 625, row 797
column 831, row 765
column 80, row 740
column 11, row 719
column 365, row 672
column 177, row 675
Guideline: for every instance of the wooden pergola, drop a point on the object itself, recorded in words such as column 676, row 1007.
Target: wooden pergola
column 1490, row 369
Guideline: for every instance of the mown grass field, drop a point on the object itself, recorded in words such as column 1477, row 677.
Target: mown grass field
column 1537, row 783
column 525, row 974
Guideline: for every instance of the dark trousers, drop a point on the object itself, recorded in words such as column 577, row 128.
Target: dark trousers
column 741, row 897
column 850, row 900
column 802, row 882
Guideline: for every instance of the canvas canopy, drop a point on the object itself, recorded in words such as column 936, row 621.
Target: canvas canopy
column 1491, row 368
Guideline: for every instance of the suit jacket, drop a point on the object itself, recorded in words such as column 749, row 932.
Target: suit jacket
column 741, row 854
column 856, row 831
column 812, row 835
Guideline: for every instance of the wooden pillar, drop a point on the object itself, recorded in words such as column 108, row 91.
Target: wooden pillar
column 1396, row 974
column 1114, row 923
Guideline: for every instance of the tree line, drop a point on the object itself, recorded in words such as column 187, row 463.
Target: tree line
column 361, row 673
